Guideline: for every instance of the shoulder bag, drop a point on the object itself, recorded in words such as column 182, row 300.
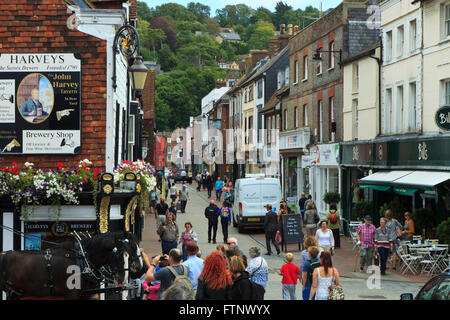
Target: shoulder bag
column 336, row 292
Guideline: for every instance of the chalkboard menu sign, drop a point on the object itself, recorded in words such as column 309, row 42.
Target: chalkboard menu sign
column 292, row 229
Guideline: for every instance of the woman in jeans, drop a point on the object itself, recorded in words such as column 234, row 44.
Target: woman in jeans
column 325, row 238
column 383, row 244
column 187, row 236
column 393, row 227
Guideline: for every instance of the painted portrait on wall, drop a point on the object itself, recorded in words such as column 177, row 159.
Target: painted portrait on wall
column 35, row 98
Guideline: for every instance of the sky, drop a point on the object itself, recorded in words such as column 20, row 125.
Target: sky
column 269, row 4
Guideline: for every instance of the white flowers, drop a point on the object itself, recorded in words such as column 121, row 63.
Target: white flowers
column 29, row 164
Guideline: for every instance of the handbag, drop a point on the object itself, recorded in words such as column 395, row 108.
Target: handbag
column 335, row 292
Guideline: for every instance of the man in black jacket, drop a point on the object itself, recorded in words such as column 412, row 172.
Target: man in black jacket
column 209, row 184
column 270, row 229
column 213, row 220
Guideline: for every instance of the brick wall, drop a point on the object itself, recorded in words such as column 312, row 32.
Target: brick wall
column 39, row 26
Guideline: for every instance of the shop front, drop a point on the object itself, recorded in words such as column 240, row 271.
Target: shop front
column 408, row 173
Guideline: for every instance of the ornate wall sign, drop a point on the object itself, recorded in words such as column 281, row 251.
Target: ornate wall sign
column 423, row 152
column 107, row 189
column 40, row 103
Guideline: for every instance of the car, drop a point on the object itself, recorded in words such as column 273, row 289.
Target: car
column 437, row 288
column 177, row 177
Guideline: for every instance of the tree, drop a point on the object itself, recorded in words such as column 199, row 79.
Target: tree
column 167, row 59
column 261, row 14
column 169, row 28
column 176, row 11
column 280, row 10
column 144, row 11
column 211, row 26
column 201, row 11
column 150, row 38
column 234, row 14
column 261, row 35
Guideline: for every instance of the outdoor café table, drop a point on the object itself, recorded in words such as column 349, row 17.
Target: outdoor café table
column 429, row 256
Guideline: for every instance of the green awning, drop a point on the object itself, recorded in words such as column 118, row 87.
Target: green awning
column 406, row 191
column 377, row 187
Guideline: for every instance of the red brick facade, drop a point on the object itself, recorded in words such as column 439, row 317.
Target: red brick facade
column 39, row 26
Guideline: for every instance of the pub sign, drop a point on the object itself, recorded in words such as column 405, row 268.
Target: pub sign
column 40, row 103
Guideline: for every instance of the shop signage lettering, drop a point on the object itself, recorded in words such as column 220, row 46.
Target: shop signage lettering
column 355, row 153
column 442, row 118
column 423, row 152
column 40, row 108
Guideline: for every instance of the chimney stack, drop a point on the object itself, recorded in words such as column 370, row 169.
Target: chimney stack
column 290, row 29
column 282, row 29
column 296, row 29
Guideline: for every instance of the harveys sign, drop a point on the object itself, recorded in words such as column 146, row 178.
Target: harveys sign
column 442, row 118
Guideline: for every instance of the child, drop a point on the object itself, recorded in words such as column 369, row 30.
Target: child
column 151, row 288
column 290, row 273
column 308, row 269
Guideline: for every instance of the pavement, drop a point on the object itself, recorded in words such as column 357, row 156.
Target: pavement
column 356, row 285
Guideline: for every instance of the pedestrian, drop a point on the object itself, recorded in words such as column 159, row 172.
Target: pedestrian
column 395, row 229
column 169, row 234
column 383, row 244
column 221, row 248
column 213, row 220
column 310, row 219
column 310, row 241
column 161, row 210
column 227, row 195
column 308, row 270
column 215, row 282
column 301, row 205
column 408, row 228
column 173, row 210
column 242, row 287
column 219, row 186
column 153, row 200
column 225, row 219
column 291, row 274
column 323, row 278
column 209, row 185
column 309, row 199
column 187, row 235
column 204, row 179
column 325, row 238
column 183, row 176
column 232, row 243
column 366, row 236
column 231, row 252
column 151, row 288
column 334, row 224
column 173, row 193
column 184, row 197
column 165, row 275
column 193, row 263
column 286, row 207
column 178, row 291
column 258, row 268
column 270, row 229
column 198, row 178
column 166, row 187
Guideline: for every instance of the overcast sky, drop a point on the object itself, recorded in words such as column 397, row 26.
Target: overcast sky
column 269, row 4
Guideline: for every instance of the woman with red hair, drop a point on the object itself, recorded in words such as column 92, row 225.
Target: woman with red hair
column 214, row 283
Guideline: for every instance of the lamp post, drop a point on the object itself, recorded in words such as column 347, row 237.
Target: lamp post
column 317, row 56
column 138, row 75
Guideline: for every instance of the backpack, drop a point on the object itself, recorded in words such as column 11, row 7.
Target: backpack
column 224, row 213
column 182, row 277
column 258, row 291
column 313, row 265
column 333, row 217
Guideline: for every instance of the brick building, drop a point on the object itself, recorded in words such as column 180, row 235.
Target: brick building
column 315, row 98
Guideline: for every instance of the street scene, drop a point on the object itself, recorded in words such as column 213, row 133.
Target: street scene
column 224, row 151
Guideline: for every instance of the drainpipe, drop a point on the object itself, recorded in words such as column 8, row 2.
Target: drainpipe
column 380, row 64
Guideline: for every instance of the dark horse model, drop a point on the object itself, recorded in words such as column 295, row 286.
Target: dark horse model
column 52, row 273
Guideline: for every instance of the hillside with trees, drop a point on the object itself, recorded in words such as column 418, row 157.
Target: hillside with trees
column 182, row 40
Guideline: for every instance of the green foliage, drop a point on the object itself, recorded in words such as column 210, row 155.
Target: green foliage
column 200, row 11
column 396, row 207
column 167, row 59
column 144, row 12
column 233, row 15
column 443, row 231
column 176, row 11
column 332, row 197
column 261, row 35
column 361, row 209
column 423, row 218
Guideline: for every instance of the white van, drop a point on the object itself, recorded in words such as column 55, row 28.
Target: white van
column 250, row 197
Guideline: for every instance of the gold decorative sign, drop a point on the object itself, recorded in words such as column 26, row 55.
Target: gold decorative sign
column 138, row 176
column 130, row 176
column 138, row 188
column 60, row 229
column 107, row 189
column 130, row 211
column 103, row 223
column 107, row 177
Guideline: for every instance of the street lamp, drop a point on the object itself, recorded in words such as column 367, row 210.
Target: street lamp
column 138, row 75
column 318, row 57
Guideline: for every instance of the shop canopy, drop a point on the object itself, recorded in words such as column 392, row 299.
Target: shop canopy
column 404, row 182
